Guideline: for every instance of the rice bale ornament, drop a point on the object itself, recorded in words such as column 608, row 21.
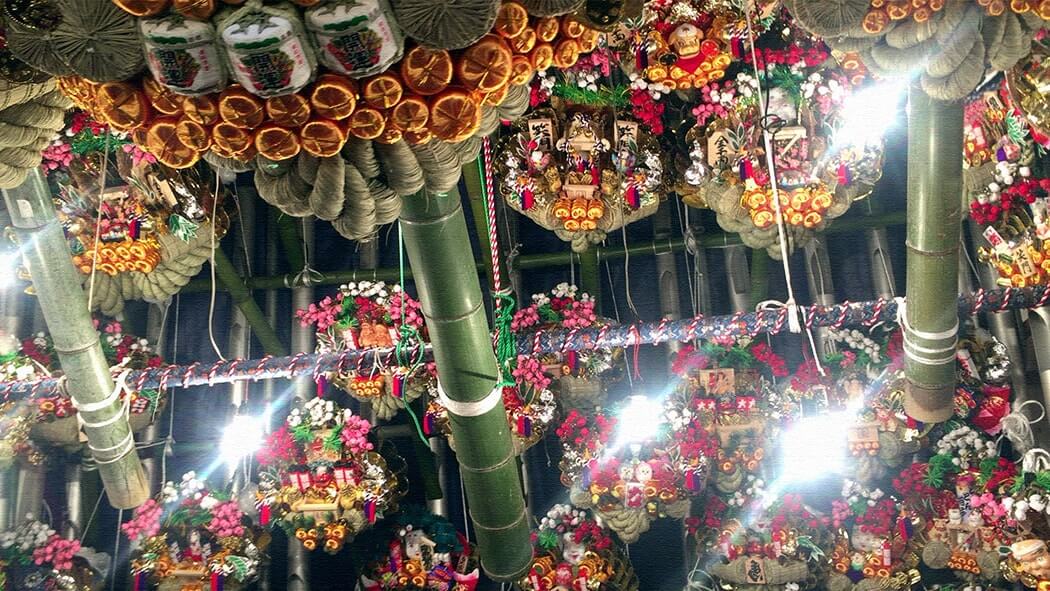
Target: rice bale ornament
column 580, row 173
column 765, row 545
column 952, row 44
column 1008, row 198
column 632, row 478
column 571, row 550
column 822, row 165
column 35, row 556
column 191, row 536
column 153, row 223
column 579, row 377
column 323, row 480
column 418, row 550
column 373, row 315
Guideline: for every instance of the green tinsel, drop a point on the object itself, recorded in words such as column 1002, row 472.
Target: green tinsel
column 603, row 97
column 86, row 142
column 940, row 466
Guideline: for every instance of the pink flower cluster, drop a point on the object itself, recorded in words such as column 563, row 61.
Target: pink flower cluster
column 226, row 520
column 413, row 310
column 355, row 435
column 991, row 508
column 714, row 98
column 138, row 155
column 579, row 315
column 525, row 318
column 58, row 552
column 57, row 155
column 145, row 522
column 324, row 313
column 530, row 372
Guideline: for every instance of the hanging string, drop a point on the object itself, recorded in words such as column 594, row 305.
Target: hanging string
column 408, row 351
column 116, row 550
column 211, row 302
column 308, row 276
column 466, row 514
column 98, row 220
column 503, row 314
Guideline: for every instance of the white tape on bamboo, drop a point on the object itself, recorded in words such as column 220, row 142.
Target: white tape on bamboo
column 127, row 444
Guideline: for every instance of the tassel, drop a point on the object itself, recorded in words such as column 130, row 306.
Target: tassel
column 428, row 424
column 736, row 45
column 398, row 385
column 216, row 581
column 264, row 515
column 527, row 200
column 1000, row 155
column 632, row 197
column 322, row 383
column 524, row 426
column 571, row 360
column 845, row 177
column 745, row 169
column 370, row 510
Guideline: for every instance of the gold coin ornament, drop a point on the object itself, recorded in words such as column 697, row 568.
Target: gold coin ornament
column 324, row 480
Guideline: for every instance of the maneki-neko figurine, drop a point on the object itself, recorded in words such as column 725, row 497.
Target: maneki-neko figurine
column 580, row 173
column 323, row 480
column 573, row 552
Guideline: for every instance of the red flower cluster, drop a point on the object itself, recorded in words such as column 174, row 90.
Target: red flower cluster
column 687, row 359
column 697, row 441
column 792, row 510
column 911, row 482
column 764, row 354
column 647, row 110
column 589, row 533
column 581, row 431
column 879, row 520
column 279, row 449
column 1025, row 191
column 806, row 376
column 1002, row 476
column 42, row 355
column 811, row 55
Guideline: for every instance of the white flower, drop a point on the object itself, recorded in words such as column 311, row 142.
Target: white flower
column 209, row 502
column 169, row 494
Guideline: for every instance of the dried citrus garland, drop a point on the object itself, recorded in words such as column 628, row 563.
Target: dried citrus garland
column 429, row 94
column 881, row 12
column 804, row 206
column 111, row 258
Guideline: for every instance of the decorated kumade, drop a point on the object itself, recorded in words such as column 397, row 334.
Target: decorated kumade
column 372, row 315
column 142, row 229
column 1027, row 83
column 764, row 544
column 581, row 173
column 822, row 165
column 193, row 537
column 579, row 376
column 571, row 550
column 633, row 467
column 417, row 550
column 34, row 556
column 323, row 480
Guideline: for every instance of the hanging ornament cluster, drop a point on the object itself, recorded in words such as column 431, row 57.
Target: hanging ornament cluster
column 35, row 556
column 53, row 418
column 192, row 537
column 323, row 479
column 530, row 408
column 372, row 315
column 579, row 378
column 1026, row 82
column 571, row 550
column 418, row 550
column 952, row 44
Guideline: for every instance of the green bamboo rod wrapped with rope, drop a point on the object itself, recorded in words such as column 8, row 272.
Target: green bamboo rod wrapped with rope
column 435, row 236
column 64, row 303
column 935, row 136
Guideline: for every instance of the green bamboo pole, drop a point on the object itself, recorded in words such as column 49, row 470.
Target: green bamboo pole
column 934, row 175
column 242, row 298
column 553, row 259
column 591, row 276
column 473, row 182
column 65, row 307
column 759, row 276
column 435, row 236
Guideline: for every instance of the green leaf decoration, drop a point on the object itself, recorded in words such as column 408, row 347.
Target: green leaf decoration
column 547, row 539
column 240, row 566
column 603, row 97
column 333, row 441
column 547, row 314
column 301, row 433
column 1042, row 480
column 182, row 228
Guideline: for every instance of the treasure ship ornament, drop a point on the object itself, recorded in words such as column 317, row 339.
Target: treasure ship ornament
column 581, row 173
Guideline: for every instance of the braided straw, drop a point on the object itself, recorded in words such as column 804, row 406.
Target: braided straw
column 546, row 8
column 447, row 24
column 26, row 128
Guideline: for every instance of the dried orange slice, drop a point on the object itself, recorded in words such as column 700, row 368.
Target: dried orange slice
column 198, row 9
column 520, row 70
column 496, row 97
column 411, row 114
column 426, row 71
column 382, row 91
column 542, row 56
column 240, row 107
column 123, row 106
column 142, row 7
column 138, row 136
column 511, row 19
column 390, row 135
column 566, row 53
column 162, row 141
column 418, row 138
column 547, row 29
column 289, row 110
column 589, row 40
column 193, row 134
column 276, row 142
column 229, row 139
column 367, row 123
column 454, row 116
column 485, row 66
column 322, row 137
column 163, row 99
column 334, row 97
column 572, row 28
column 525, row 41
column 201, row 109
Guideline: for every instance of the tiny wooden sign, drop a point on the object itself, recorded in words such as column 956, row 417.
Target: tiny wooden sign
column 541, row 131
column 755, row 571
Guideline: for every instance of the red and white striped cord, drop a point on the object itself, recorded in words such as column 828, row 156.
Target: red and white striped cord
column 490, row 203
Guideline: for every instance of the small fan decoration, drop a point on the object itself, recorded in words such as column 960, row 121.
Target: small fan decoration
column 54, row 417
column 35, row 556
column 418, row 550
column 571, row 550
column 633, row 463
column 822, row 165
column 371, row 315
column 193, row 537
column 579, row 377
column 323, row 480
column 125, row 213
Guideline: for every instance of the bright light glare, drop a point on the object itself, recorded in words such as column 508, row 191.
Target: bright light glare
column 639, row 420
column 867, row 114
column 8, row 269
column 815, row 447
column 242, row 437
